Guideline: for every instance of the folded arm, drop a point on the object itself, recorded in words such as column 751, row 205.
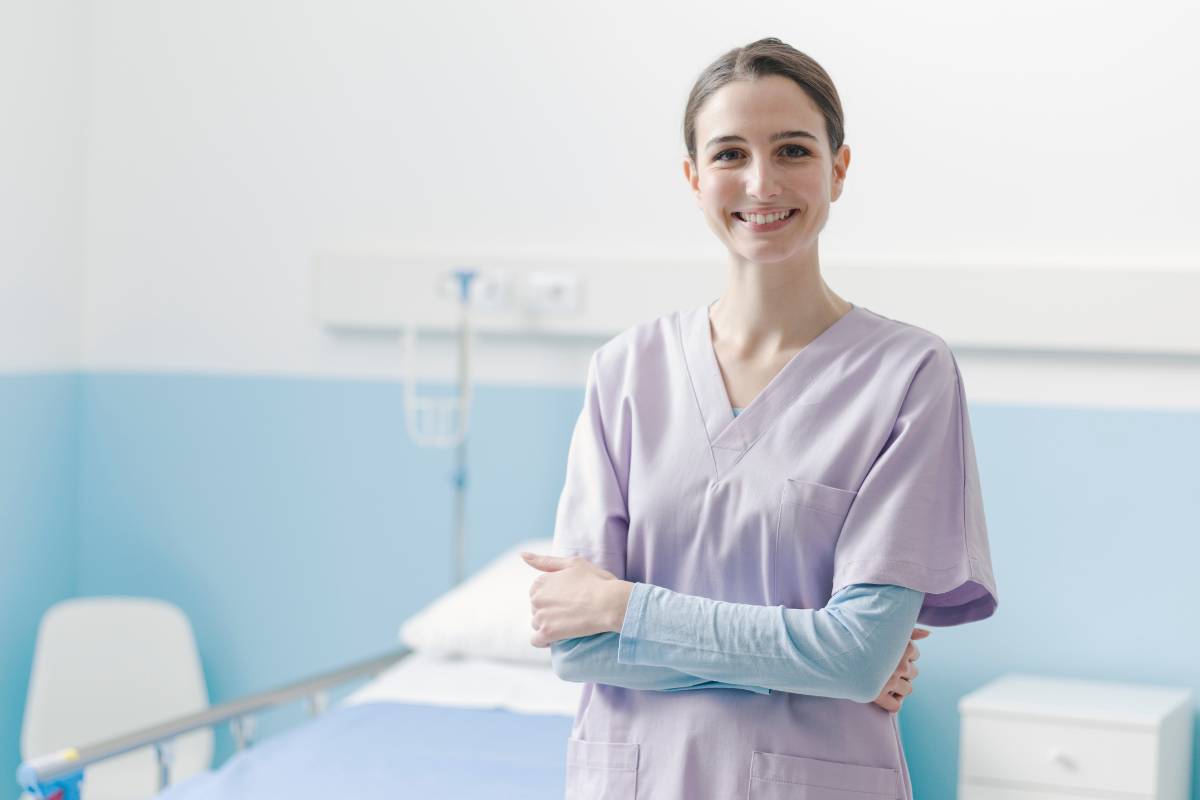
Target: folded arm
column 848, row 649
column 674, row 642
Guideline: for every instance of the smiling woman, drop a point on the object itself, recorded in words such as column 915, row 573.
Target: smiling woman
column 735, row 590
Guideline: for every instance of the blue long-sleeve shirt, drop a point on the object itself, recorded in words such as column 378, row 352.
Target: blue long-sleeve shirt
column 670, row 641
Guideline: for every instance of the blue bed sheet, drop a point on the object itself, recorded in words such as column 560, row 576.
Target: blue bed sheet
column 397, row 750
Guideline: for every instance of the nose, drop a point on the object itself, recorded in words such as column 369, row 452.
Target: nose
column 762, row 182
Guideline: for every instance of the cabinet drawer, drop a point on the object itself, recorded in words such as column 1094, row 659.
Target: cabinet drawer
column 979, row 791
column 1056, row 754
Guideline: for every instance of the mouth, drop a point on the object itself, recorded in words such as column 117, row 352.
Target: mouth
column 765, row 227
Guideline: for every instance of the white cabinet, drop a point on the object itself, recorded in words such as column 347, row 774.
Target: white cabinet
column 1025, row 737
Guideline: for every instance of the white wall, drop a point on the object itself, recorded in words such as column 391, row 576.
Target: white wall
column 42, row 58
column 229, row 142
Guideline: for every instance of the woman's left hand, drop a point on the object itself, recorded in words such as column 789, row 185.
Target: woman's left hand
column 900, row 685
column 574, row 597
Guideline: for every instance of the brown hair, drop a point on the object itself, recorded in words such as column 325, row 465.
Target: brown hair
column 767, row 57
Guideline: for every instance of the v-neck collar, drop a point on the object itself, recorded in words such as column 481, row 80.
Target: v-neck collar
column 731, row 436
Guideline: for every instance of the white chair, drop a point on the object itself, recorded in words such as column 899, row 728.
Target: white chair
column 105, row 666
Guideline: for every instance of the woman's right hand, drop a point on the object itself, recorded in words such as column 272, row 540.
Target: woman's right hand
column 899, row 685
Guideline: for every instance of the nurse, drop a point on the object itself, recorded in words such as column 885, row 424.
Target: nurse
column 762, row 494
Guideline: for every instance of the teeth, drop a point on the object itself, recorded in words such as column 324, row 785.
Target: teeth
column 763, row 219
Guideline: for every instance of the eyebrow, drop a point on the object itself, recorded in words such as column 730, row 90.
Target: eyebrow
column 774, row 137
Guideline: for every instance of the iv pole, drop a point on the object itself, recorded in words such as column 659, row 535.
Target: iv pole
column 460, row 450
column 444, row 421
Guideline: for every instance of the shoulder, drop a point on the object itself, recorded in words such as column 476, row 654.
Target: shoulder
column 646, row 342
column 908, row 350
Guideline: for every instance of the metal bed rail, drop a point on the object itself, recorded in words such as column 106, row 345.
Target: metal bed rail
column 58, row 774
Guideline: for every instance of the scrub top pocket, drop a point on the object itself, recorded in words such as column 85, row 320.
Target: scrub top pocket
column 810, row 520
column 774, row 776
column 601, row 770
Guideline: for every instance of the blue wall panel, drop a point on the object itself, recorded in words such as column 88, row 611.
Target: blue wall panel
column 37, row 530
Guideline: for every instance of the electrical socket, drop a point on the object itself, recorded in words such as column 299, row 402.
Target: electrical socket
column 553, row 292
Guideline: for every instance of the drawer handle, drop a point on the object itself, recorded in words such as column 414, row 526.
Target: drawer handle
column 1059, row 757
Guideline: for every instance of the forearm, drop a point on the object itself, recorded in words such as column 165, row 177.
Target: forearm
column 846, row 650
column 593, row 659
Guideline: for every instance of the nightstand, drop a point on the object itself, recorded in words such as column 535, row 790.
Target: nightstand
column 1025, row 737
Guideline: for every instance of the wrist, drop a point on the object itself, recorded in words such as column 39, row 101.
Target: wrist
column 620, row 604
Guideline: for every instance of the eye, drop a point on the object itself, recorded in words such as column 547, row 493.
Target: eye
column 803, row 151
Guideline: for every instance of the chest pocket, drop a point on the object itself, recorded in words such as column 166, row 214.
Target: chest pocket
column 810, row 521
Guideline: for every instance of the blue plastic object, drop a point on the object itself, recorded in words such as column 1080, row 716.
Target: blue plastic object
column 64, row 788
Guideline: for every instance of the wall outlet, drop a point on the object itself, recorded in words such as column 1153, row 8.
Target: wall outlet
column 553, row 292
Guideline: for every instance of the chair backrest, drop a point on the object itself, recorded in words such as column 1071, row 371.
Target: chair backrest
column 104, row 666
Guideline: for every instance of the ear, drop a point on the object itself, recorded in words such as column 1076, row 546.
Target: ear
column 841, row 163
column 693, row 177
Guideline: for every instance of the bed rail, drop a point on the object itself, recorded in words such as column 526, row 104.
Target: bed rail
column 58, row 774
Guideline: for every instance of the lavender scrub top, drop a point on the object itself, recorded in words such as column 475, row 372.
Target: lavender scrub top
column 854, row 465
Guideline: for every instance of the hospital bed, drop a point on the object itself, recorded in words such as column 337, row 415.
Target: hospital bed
column 428, row 722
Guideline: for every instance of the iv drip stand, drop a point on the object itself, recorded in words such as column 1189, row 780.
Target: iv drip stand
column 460, row 449
column 444, row 421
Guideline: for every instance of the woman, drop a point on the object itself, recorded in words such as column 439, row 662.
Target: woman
column 735, row 588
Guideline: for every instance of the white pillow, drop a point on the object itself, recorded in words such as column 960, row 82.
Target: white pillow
column 485, row 616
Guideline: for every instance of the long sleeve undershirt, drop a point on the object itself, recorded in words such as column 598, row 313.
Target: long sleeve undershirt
column 671, row 641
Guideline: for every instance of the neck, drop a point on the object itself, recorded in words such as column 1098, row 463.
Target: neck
column 770, row 308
